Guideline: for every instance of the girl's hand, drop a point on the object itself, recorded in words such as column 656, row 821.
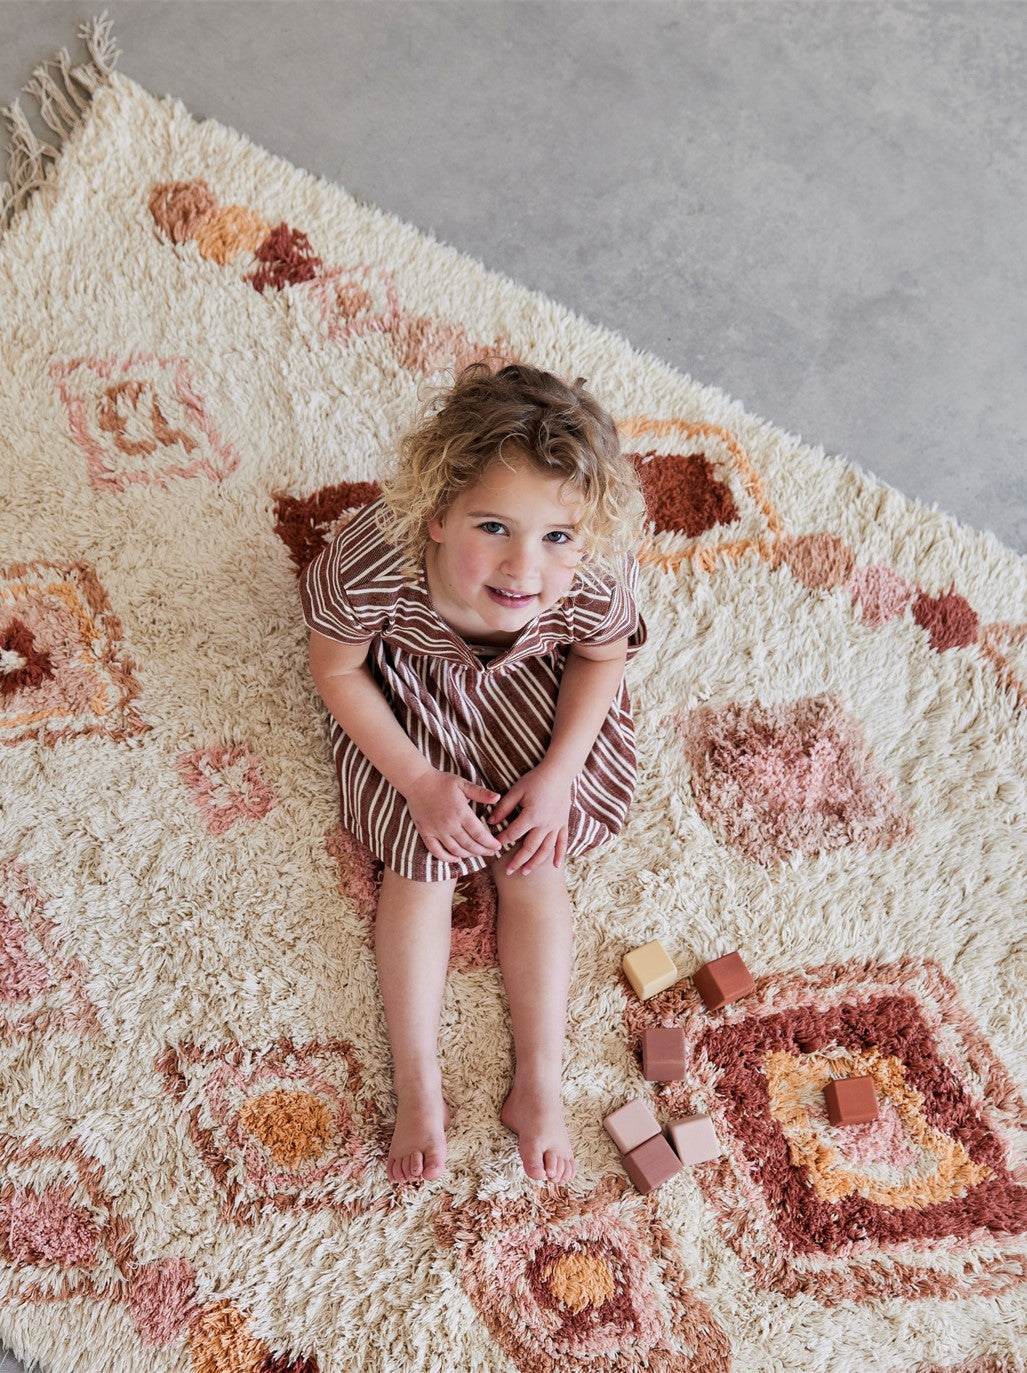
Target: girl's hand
column 439, row 805
column 544, row 796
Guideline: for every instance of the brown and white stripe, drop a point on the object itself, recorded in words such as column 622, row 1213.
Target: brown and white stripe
column 488, row 716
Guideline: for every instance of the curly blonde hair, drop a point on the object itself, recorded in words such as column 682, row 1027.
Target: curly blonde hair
column 461, row 429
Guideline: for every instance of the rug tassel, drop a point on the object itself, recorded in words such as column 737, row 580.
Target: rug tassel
column 61, row 105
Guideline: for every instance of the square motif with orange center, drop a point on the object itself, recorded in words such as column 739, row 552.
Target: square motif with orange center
column 289, row 1127
column 63, row 672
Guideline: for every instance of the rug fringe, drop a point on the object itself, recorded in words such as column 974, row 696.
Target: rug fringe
column 63, row 93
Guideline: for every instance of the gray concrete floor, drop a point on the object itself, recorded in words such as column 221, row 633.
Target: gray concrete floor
column 816, row 205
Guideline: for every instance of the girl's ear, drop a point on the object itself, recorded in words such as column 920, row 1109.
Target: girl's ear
column 435, row 527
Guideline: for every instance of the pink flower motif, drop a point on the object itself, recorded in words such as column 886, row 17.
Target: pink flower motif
column 792, row 778
column 162, row 1299
column 880, row 592
column 227, row 785
column 48, row 1228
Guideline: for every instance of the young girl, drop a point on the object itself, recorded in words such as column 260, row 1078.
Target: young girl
column 469, row 636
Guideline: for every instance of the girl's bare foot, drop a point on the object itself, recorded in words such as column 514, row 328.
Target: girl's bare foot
column 535, row 1115
column 419, row 1139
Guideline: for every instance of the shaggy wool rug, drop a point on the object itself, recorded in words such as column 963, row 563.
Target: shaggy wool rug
column 206, row 354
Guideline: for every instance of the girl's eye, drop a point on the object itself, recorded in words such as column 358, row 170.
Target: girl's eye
column 491, row 526
column 559, row 536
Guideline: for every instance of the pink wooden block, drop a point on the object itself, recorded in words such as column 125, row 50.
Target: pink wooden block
column 694, row 1139
column 631, row 1125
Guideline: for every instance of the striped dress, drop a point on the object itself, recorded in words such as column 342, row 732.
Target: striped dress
column 486, row 715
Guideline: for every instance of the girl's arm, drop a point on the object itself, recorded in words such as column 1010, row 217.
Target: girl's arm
column 591, row 676
column 438, row 802
column 341, row 675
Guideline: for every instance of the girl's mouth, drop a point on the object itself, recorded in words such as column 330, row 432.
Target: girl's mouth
column 511, row 600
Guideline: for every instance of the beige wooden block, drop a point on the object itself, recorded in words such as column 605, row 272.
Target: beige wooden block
column 650, row 969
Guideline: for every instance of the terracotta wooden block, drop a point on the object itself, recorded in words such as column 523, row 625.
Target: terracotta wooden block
column 663, row 1054
column 851, row 1100
column 631, row 1125
column 651, row 1164
column 722, row 981
column 650, row 969
column 694, row 1139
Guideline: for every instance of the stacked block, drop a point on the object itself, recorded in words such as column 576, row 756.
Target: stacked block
column 851, row 1101
column 722, row 981
column 650, row 969
column 647, row 1157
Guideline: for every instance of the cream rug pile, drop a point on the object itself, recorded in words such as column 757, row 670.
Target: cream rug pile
column 205, row 355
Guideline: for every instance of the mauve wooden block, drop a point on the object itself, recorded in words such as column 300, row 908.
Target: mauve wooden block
column 723, row 980
column 851, row 1100
column 651, row 1164
column 631, row 1125
column 663, row 1053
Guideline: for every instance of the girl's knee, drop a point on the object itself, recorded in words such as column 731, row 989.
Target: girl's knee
column 543, row 879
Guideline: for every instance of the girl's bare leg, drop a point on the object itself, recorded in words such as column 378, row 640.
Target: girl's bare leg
column 535, row 955
column 412, row 935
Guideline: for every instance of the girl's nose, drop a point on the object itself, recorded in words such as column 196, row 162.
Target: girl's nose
column 517, row 562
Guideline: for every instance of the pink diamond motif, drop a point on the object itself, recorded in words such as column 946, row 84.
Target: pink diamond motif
column 40, row 988
column 227, row 785
column 59, row 1233
column 141, row 420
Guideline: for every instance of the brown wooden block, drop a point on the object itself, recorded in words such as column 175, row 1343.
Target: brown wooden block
column 663, row 1054
column 851, row 1100
column 723, row 980
column 651, row 1164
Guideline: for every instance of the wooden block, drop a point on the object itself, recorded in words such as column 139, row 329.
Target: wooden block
column 650, row 969
column 694, row 1139
column 723, row 980
column 651, row 1164
column 851, row 1100
column 663, row 1054
column 631, row 1125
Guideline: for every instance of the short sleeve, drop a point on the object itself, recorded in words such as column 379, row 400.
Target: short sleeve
column 605, row 609
column 344, row 594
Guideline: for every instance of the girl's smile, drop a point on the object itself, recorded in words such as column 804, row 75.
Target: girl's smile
column 504, row 551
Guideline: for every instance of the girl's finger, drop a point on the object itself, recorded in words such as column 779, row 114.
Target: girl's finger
column 478, row 836
column 560, row 851
column 501, row 810
column 524, row 854
column 537, row 858
column 446, row 850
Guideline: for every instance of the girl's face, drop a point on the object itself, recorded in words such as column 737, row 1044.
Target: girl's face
column 505, row 550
